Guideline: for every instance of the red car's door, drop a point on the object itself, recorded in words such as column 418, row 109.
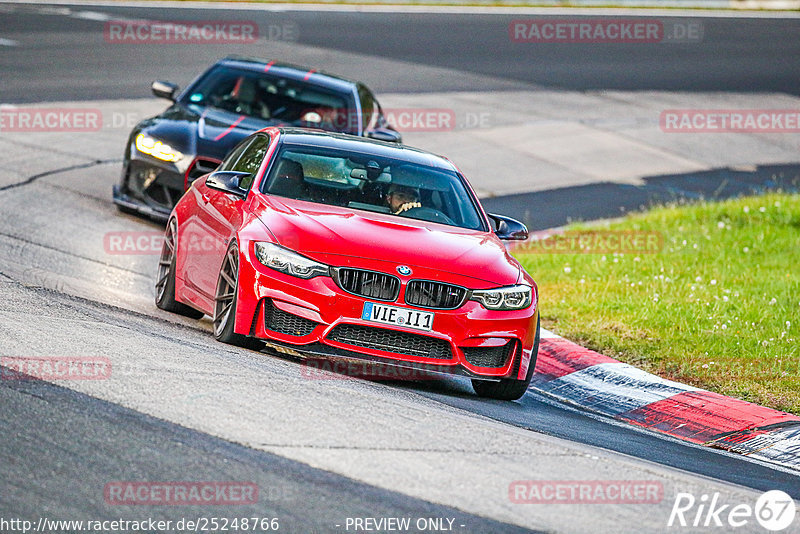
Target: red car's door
column 220, row 215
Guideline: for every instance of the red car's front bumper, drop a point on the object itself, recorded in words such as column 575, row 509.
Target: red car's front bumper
column 317, row 317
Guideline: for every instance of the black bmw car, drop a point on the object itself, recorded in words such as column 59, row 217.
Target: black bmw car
column 232, row 99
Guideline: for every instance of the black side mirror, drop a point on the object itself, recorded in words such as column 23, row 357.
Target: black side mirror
column 228, row 181
column 385, row 134
column 165, row 90
column 508, row 228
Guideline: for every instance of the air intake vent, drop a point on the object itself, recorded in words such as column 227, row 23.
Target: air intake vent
column 391, row 341
column 287, row 323
column 489, row 356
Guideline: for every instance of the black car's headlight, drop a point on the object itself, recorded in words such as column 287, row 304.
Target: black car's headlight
column 504, row 298
column 153, row 147
column 284, row 260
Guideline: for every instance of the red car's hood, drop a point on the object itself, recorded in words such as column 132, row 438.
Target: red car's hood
column 322, row 231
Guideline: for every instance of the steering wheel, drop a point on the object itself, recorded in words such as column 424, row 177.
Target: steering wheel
column 428, row 214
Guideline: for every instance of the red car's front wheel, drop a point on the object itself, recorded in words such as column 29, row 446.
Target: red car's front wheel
column 509, row 388
column 225, row 302
column 165, row 277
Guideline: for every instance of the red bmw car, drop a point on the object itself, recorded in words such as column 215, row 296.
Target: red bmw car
column 322, row 244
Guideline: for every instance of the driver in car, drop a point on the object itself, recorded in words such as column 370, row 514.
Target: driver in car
column 288, row 181
column 402, row 198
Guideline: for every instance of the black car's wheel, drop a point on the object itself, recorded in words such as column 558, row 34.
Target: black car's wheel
column 225, row 302
column 508, row 388
column 165, row 278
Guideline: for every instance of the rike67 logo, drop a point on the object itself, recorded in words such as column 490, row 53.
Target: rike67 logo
column 774, row 510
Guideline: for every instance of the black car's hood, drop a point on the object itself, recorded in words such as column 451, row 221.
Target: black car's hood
column 202, row 131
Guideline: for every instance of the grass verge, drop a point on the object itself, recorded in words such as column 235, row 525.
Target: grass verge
column 718, row 306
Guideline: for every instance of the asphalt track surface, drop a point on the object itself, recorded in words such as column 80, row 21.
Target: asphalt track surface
column 75, row 442
column 71, row 61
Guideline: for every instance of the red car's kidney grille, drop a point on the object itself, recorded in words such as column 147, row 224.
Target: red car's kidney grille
column 283, row 322
column 429, row 294
column 369, row 284
column 489, row 356
column 391, row 341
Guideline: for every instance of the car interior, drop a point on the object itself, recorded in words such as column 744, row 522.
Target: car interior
column 363, row 183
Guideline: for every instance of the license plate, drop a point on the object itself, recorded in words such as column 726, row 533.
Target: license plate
column 381, row 313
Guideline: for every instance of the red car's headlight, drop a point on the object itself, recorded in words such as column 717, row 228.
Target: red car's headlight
column 289, row 262
column 504, row 298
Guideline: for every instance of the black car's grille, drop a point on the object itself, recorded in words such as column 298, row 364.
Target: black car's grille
column 369, row 284
column 200, row 167
column 429, row 294
column 391, row 341
column 489, row 356
column 287, row 323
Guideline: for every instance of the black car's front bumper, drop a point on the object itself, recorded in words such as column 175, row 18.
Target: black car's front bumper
column 133, row 205
column 152, row 189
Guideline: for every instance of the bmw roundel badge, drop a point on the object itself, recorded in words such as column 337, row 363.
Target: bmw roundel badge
column 404, row 270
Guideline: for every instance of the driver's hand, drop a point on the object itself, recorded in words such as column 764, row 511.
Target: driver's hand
column 407, row 206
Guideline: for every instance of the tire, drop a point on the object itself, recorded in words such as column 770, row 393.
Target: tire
column 165, row 277
column 225, row 302
column 509, row 388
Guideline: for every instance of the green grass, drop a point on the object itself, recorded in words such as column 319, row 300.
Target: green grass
column 718, row 307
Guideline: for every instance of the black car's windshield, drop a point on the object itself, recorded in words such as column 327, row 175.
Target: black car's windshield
column 372, row 183
column 264, row 96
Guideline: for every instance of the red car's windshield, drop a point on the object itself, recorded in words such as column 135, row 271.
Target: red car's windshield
column 371, row 183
